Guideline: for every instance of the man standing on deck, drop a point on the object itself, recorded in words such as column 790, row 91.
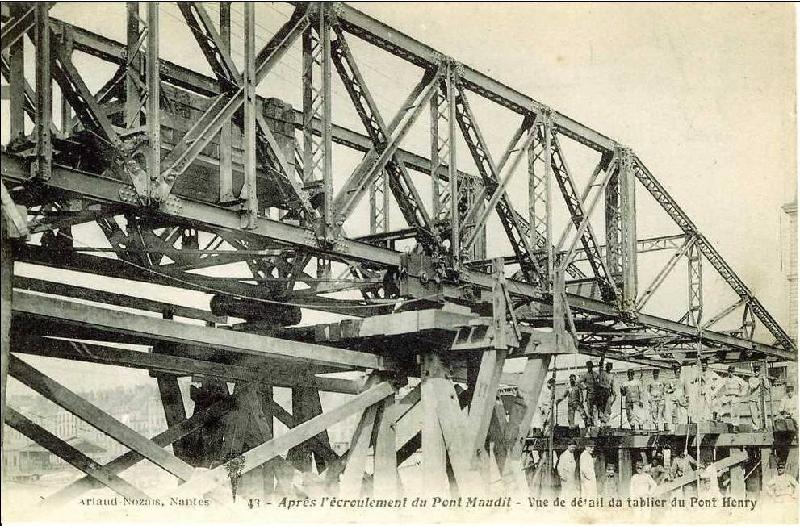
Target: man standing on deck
column 757, row 391
column 730, row 390
column 589, row 384
column 632, row 390
column 705, row 383
column 574, row 397
column 656, row 391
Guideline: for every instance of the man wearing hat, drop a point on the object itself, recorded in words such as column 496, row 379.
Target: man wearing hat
column 704, row 389
column 574, row 397
column 728, row 391
column 758, row 387
column 782, row 486
column 788, row 406
column 588, row 382
column 546, row 405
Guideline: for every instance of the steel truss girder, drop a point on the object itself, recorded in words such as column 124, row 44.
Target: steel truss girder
column 395, row 174
column 212, row 217
column 680, row 217
column 226, row 105
column 493, row 184
column 575, row 206
column 211, row 43
column 376, row 158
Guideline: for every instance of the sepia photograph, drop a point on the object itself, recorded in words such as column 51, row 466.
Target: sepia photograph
column 399, row 262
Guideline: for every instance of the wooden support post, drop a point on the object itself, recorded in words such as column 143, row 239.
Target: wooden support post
column 737, row 487
column 453, row 429
column 766, row 467
column 306, row 405
column 353, row 476
column 68, row 453
column 118, row 465
column 17, row 87
column 521, row 414
column 434, row 477
column 44, row 95
column 483, row 400
column 624, row 472
column 385, row 483
column 249, row 130
column 225, row 133
column 97, row 418
column 282, row 443
column 174, row 410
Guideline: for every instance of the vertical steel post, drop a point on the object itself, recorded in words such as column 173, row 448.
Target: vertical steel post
column 540, row 176
column 452, row 172
column 225, row 134
column 44, row 95
column 695, row 267
column 620, row 213
column 66, row 109
column 132, row 101
column 249, row 79
column 153, row 98
column 6, row 287
column 324, row 33
column 17, row 87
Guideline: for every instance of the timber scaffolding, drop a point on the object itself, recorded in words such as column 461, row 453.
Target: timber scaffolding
column 183, row 172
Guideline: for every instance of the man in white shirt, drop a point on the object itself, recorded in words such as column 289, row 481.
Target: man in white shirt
column 587, row 473
column 757, row 391
column 788, row 406
column 642, row 484
column 567, row 472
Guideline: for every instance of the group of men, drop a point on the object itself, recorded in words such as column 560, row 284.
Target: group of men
column 696, row 394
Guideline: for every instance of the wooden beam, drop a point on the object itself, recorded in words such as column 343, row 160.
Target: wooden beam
column 434, row 477
column 321, row 449
column 733, row 459
column 181, row 365
column 280, row 444
column 113, row 298
column 352, row 479
column 484, row 396
column 452, row 423
column 385, row 481
column 70, row 492
column 151, row 329
column 97, row 418
column 68, row 453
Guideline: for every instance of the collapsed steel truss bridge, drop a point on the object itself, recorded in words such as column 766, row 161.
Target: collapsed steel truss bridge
column 182, row 172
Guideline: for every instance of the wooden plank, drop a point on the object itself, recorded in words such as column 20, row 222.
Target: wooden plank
column 95, row 353
column 386, row 475
column 453, row 428
column 625, row 472
column 112, row 298
column 97, row 418
column 483, row 399
column 737, row 487
column 16, row 225
column 519, row 422
column 733, row 459
column 434, row 476
column 68, row 453
column 167, row 330
column 280, row 444
column 70, row 492
column 320, row 448
column 353, row 476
